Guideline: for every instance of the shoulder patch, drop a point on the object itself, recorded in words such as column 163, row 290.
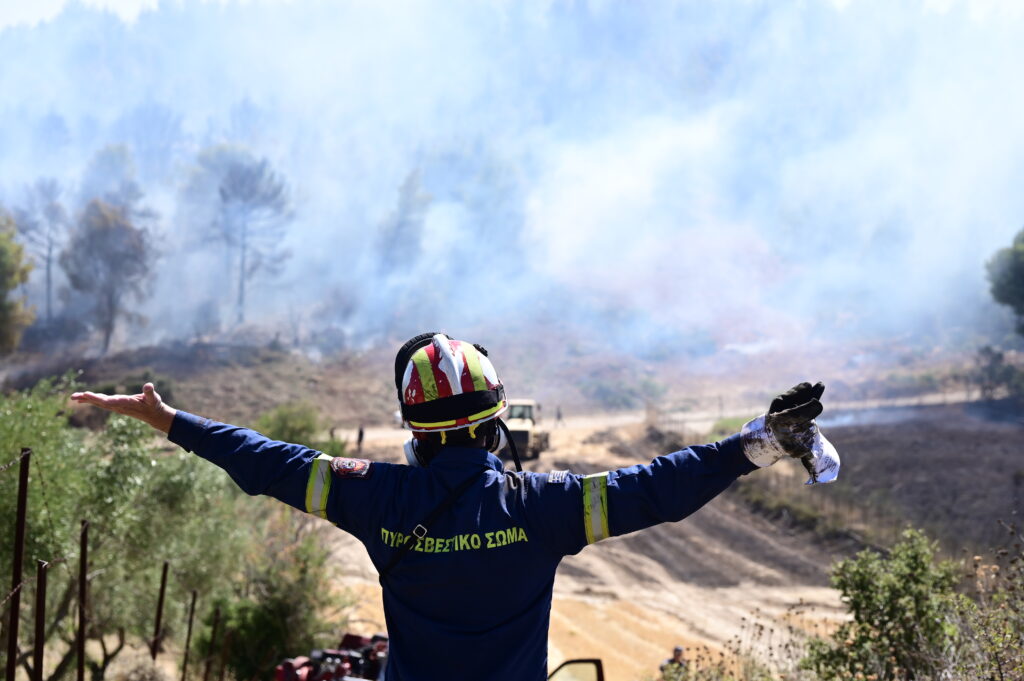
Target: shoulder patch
column 557, row 477
column 345, row 467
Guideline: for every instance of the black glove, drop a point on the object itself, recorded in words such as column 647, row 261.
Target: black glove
column 788, row 429
column 791, row 417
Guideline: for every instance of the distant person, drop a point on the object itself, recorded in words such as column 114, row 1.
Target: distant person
column 674, row 668
column 558, row 416
column 466, row 550
column 359, row 438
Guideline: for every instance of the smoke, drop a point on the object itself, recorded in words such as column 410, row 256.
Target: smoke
column 678, row 173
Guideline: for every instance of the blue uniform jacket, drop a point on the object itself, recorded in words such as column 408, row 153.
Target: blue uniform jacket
column 472, row 600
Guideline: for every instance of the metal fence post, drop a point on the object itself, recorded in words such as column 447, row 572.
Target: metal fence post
column 19, row 556
column 83, row 567
column 155, row 645
column 40, row 635
column 188, row 636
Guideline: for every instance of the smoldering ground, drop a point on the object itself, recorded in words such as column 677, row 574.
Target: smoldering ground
column 667, row 174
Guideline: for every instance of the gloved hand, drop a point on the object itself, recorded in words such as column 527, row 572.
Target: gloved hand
column 788, row 429
column 791, row 418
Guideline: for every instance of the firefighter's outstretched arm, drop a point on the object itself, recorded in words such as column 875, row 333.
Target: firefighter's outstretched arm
column 610, row 503
column 675, row 485
column 292, row 473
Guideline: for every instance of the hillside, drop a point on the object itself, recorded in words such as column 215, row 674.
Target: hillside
column 730, row 567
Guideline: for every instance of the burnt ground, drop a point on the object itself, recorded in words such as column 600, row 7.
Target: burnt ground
column 954, row 470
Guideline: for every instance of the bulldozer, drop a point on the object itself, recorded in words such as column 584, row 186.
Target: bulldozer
column 523, row 421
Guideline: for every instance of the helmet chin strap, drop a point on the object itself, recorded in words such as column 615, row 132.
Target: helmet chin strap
column 507, row 436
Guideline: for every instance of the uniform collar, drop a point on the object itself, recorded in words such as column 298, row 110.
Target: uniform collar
column 461, row 458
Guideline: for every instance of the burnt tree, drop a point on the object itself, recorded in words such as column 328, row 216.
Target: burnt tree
column 107, row 260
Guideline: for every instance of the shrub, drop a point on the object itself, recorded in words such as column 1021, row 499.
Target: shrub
column 285, row 609
column 994, row 622
column 905, row 613
column 296, row 422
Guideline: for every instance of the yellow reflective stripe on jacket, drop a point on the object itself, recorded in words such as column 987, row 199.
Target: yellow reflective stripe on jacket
column 595, row 506
column 319, row 486
column 426, row 374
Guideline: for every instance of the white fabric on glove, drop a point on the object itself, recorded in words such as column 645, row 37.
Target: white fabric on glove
column 763, row 449
column 825, row 461
column 759, row 443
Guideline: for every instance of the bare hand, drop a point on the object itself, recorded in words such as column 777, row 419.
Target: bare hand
column 145, row 406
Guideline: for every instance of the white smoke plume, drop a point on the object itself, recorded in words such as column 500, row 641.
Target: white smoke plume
column 666, row 172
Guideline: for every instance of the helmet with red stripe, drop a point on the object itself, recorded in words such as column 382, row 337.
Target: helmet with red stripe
column 446, row 384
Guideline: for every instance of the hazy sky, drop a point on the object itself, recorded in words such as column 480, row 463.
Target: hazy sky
column 738, row 168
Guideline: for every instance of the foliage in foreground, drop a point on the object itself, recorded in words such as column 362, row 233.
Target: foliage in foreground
column 913, row 618
column 143, row 508
column 287, row 608
column 911, row 622
column 904, row 609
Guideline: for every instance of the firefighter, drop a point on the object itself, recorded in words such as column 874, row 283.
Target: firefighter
column 467, row 551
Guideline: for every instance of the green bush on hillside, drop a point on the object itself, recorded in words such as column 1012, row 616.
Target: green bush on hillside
column 296, row 422
column 905, row 615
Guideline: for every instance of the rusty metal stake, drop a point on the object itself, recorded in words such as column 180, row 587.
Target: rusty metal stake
column 83, row 568
column 213, row 641
column 188, row 636
column 155, row 645
column 19, row 556
column 40, row 637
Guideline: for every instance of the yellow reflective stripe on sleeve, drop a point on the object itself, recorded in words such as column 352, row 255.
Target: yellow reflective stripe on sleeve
column 473, row 365
column 595, row 506
column 426, row 374
column 319, row 486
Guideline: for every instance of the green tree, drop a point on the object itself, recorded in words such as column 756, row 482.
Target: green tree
column 905, row 615
column 1006, row 277
column 14, row 270
column 143, row 508
column 108, row 260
